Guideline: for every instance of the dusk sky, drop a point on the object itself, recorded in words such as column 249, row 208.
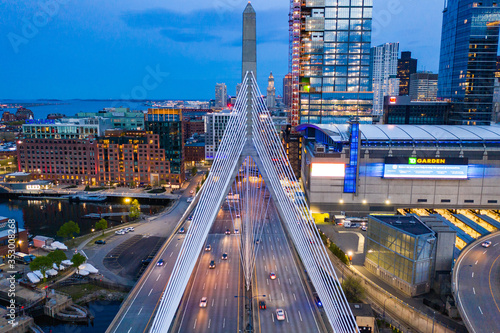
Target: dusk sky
column 105, row 49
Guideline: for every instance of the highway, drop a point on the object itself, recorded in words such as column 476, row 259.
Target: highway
column 287, row 291
column 477, row 283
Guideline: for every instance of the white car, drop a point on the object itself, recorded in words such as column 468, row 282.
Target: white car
column 190, row 199
column 119, row 232
column 203, row 302
column 486, row 244
column 280, row 314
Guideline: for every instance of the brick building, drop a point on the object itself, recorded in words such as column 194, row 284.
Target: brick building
column 67, row 161
column 195, row 152
column 131, row 158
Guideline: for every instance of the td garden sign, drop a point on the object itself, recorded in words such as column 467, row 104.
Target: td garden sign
column 427, row 168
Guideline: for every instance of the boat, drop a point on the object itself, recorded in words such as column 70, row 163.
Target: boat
column 88, row 198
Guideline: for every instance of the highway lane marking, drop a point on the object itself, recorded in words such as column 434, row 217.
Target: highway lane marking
column 227, row 285
column 290, row 281
column 195, row 323
column 225, row 302
column 209, row 322
column 472, row 274
column 171, row 254
column 300, row 317
column 272, row 316
column 267, row 280
column 158, row 277
column 474, row 290
column 476, row 262
column 224, row 323
column 129, row 330
column 286, row 317
column 480, row 310
column 213, row 300
column 279, row 282
column 150, row 291
column 217, row 272
column 203, row 286
column 176, row 244
column 282, row 297
column 485, row 251
column 272, row 248
column 495, row 244
column 286, row 267
column 215, row 287
column 274, row 257
column 140, row 311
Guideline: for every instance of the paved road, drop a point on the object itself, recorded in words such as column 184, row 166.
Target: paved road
column 478, row 281
column 219, row 285
column 287, row 291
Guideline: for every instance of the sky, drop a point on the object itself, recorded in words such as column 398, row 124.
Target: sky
column 164, row 49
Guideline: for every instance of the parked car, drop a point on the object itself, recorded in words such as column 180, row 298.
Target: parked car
column 100, row 241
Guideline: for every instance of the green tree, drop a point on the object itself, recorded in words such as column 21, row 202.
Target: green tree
column 353, row 290
column 198, row 188
column 194, row 171
column 68, row 230
column 135, row 209
column 101, row 225
column 42, row 264
column 57, row 257
column 77, row 260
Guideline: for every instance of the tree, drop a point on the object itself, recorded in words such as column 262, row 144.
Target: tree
column 68, row 229
column 353, row 290
column 101, row 225
column 198, row 188
column 135, row 209
column 57, row 257
column 194, row 171
column 42, row 264
column 77, row 260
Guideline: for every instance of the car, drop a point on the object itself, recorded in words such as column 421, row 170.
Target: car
column 160, row 262
column 364, row 228
column 190, row 218
column 190, row 199
column 224, row 256
column 236, row 231
column 280, row 314
column 131, row 229
column 124, row 230
column 119, row 232
column 272, row 276
column 238, row 215
column 212, row 264
column 228, row 232
column 262, row 305
column 486, row 244
column 191, row 192
column 100, row 241
column 318, row 301
column 146, row 262
column 182, row 230
column 203, row 302
column 257, row 241
column 208, row 248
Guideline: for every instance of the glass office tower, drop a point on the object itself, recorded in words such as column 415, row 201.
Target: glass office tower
column 469, row 45
column 334, row 81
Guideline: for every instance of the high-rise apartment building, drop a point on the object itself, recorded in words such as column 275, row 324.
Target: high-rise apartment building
column 287, row 90
column 330, row 60
column 469, row 46
column 423, row 87
column 167, row 123
column 271, row 92
column 215, row 125
column 220, row 95
column 384, row 70
column 406, row 67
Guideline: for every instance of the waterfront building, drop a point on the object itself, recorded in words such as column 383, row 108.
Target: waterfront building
column 406, row 67
column 21, row 241
column 131, row 158
column 402, row 110
column 401, row 250
column 469, row 46
column 423, row 87
column 121, row 118
column 167, row 123
column 384, row 70
column 24, row 114
column 66, row 128
column 220, row 95
column 61, row 160
column 271, row 93
column 330, row 61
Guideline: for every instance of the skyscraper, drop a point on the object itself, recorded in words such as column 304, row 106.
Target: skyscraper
column 469, row 44
column 249, row 49
column 384, row 71
column 287, row 90
column 271, row 92
column 423, row 87
column 220, row 95
column 330, row 60
column 406, row 67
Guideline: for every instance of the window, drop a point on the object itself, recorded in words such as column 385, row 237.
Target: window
column 469, row 201
column 493, row 201
column 422, row 200
column 445, row 200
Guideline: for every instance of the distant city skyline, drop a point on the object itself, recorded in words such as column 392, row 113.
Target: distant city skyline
column 136, row 53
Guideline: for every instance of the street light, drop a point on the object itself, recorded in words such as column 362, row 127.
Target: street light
column 384, row 305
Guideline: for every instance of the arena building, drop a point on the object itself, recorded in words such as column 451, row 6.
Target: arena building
column 368, row 168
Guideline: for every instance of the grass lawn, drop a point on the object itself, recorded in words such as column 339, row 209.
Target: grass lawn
column 157, row 190
column 79, row 290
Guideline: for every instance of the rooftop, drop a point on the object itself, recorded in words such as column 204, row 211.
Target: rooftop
column 408, row 224
column 361, row 310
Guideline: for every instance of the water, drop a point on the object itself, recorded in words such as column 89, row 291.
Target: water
column 103, row 312
column 71, row 107
column 45, row 217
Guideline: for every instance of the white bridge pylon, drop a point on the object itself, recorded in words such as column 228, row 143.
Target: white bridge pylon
column 250, row 132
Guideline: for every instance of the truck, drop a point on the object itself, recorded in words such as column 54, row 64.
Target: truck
column 23, row 258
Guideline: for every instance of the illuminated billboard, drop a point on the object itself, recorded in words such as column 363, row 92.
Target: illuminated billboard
column 328, row 170
column 426, row 168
